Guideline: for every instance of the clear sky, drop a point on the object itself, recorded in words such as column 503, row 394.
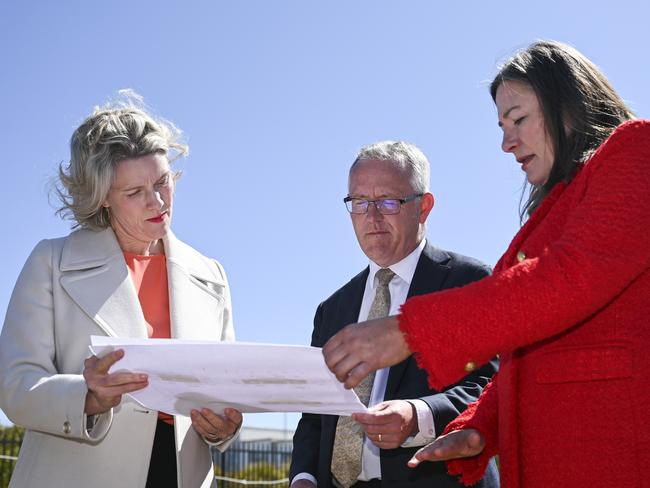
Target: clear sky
column 275, row 98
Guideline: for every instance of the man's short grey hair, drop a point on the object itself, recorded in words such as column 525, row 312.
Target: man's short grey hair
column 110, row 135
column 404, row 155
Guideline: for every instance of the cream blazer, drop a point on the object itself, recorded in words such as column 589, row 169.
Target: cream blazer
column 69, row 289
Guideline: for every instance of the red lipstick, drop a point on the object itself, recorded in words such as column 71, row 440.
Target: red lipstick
column 158, row 218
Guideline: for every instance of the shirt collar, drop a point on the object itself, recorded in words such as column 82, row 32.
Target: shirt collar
column 404, row 269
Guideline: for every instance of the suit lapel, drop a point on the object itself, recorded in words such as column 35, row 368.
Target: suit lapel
column 348, row 309
column 509, row 258
column 96, row 278
column 196, row 295
column 430, row 274
column 431, row 271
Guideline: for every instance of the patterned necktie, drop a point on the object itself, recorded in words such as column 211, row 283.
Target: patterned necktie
column 348, row 442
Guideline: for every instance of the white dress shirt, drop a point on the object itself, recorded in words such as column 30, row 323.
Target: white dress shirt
column 398, row 288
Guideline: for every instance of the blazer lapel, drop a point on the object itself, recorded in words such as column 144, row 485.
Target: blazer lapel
column 196, row 294
column 509, row 258
column 430, row 274
column 348, row 309
column 96, row 278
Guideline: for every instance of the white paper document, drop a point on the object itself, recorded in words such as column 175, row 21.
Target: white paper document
column 186, row 375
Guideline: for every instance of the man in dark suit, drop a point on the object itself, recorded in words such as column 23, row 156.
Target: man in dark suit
column 389, row 202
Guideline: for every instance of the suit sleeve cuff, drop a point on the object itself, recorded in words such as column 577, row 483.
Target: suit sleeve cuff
column 426, row 428
column 97, row 426
column 223, row 444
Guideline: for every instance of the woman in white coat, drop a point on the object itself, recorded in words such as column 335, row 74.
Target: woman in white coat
column 121, row 273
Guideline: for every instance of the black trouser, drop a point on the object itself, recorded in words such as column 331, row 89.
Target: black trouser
column 162, row 468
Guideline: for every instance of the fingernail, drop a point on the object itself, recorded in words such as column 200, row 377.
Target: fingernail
column 143, row 377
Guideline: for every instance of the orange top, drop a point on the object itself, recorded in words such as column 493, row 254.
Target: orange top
column 149, row 276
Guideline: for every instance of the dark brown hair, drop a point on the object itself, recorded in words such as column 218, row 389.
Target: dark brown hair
column 580, row 107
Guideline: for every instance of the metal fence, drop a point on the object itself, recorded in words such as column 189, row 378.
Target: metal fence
column 245, row 463
column 10, row 439
column 253, row 463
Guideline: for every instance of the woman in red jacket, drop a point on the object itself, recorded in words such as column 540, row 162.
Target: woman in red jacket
column 568, row 305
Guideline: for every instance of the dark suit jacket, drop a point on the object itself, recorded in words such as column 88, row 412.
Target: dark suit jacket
column 314, row 438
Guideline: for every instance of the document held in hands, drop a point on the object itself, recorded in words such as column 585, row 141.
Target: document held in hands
column 186, row 375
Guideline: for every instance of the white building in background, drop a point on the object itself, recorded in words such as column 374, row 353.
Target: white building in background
column 249, row 433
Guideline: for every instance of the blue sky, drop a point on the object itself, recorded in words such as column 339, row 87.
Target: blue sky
column 275, row 98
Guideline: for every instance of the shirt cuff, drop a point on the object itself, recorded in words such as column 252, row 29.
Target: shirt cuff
column 426, row 427
column 304, row 476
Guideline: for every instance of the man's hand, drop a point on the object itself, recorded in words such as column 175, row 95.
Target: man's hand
column 456, row 444
column 303, row 484
column 215, row 427
column 359, row 349
column 388, row 424
column 105, row 390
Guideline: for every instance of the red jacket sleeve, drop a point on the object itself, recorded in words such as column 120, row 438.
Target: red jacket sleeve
column 604, row 245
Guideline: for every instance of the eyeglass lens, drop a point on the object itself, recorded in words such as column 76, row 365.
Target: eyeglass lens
column 386, row 206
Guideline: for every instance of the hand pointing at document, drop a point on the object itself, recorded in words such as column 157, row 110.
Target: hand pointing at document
column 360, row 349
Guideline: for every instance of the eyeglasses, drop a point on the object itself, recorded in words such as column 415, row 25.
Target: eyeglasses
column 385, row 206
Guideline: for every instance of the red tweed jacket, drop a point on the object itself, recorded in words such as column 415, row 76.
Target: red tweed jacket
column 568, row 309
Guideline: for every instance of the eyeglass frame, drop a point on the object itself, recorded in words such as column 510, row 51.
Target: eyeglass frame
column 401, row 201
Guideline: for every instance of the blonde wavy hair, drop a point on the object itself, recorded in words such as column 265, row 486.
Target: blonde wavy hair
column 112, row 133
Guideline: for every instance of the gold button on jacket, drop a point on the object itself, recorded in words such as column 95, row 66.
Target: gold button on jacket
column 470, row 366
column 521, row 256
